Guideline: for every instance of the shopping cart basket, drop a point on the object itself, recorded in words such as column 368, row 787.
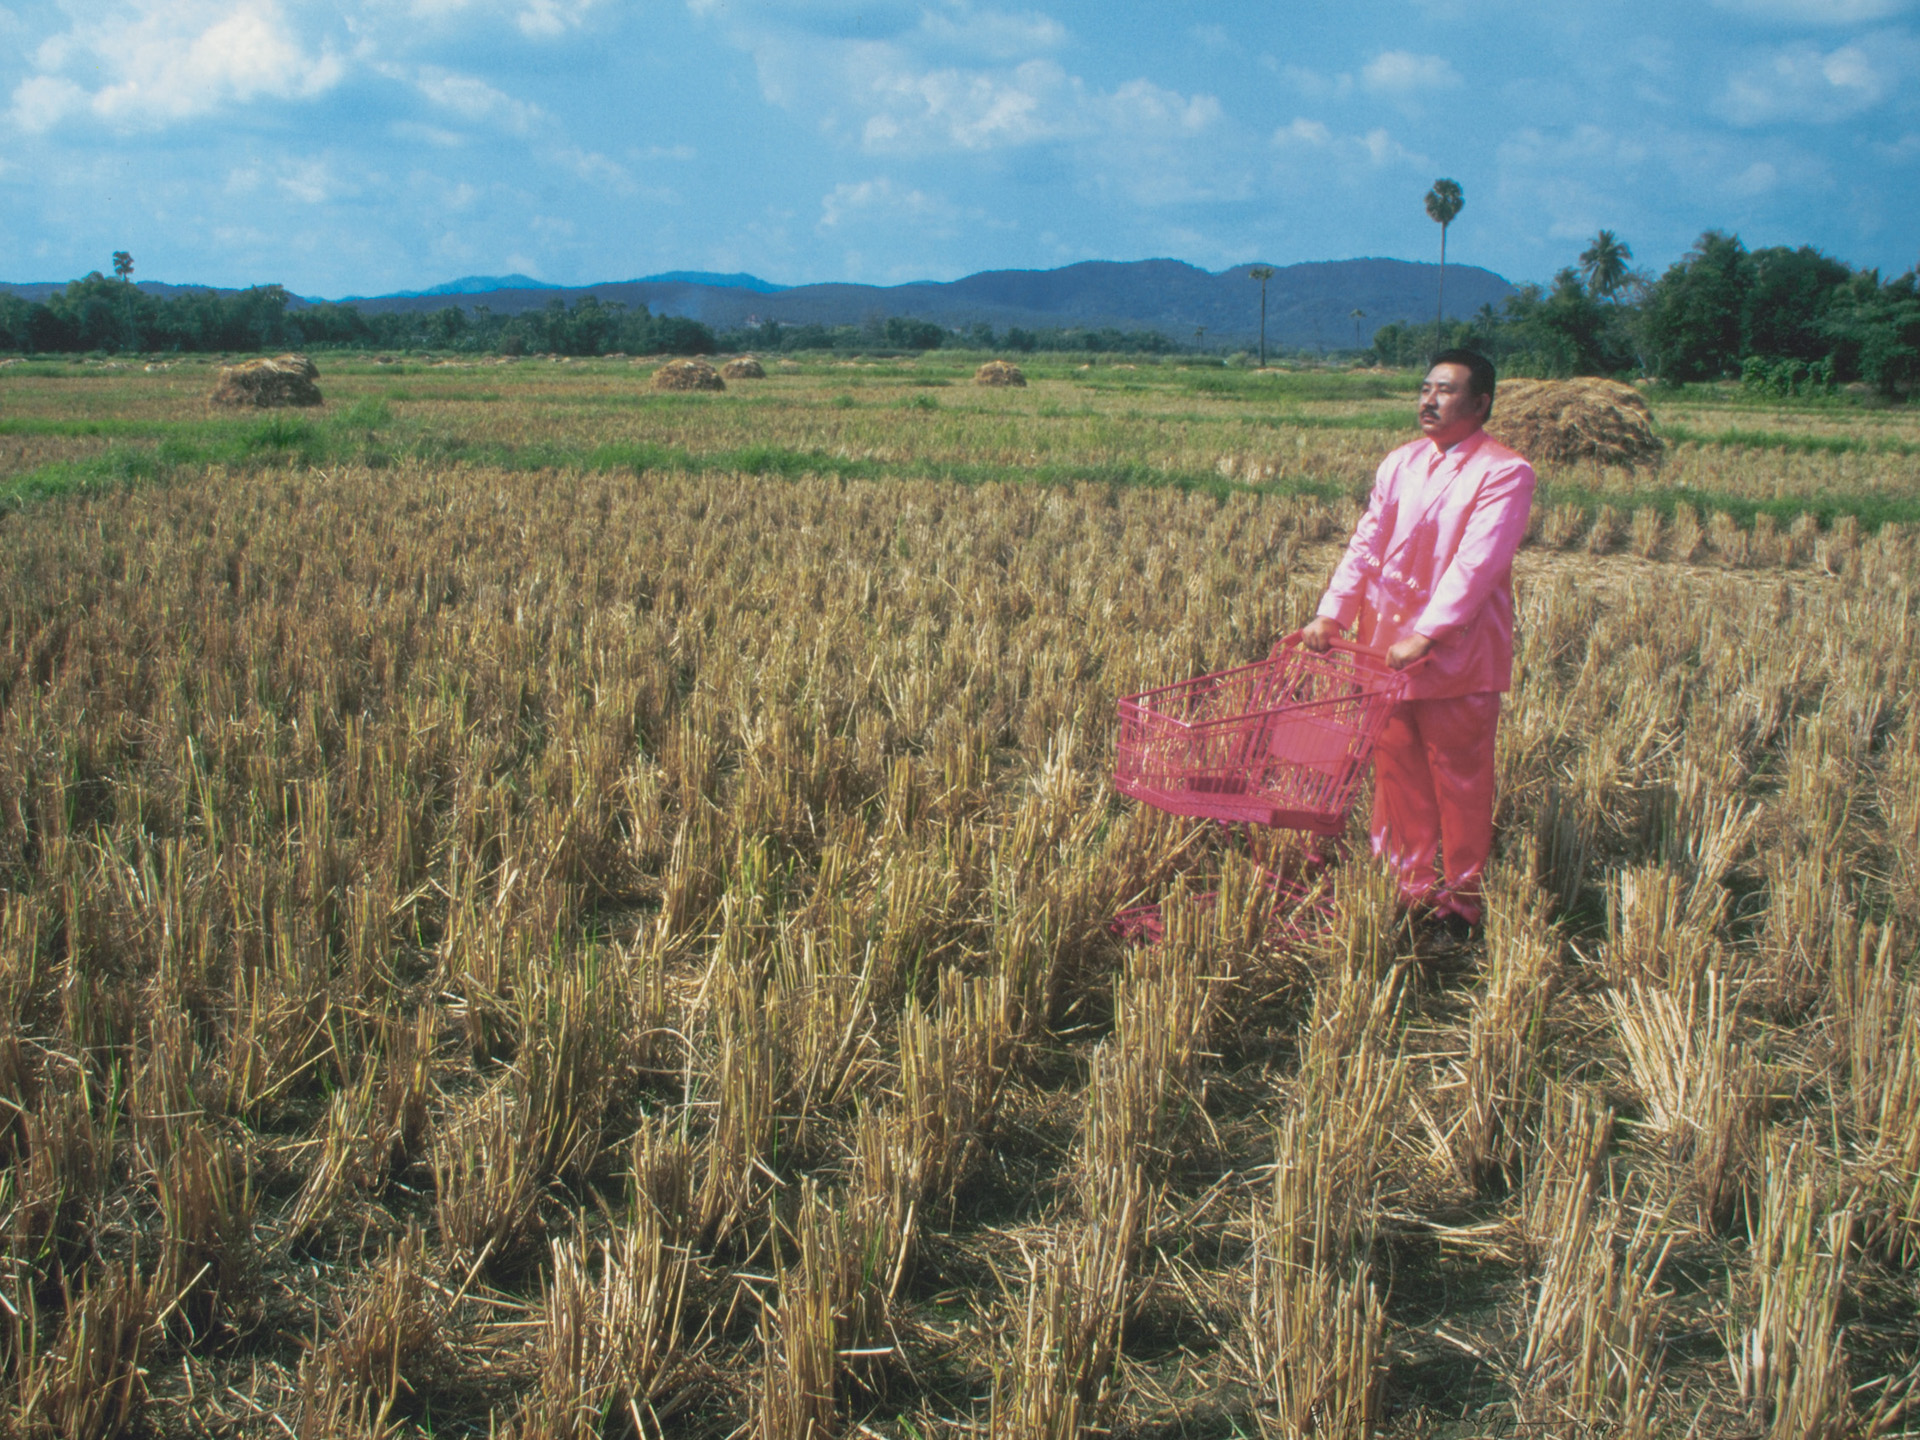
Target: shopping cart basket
column 1282, row 742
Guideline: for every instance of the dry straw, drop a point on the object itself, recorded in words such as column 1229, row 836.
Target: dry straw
column 464, row 955
column 1499, row 1077
column 1559, row 422
column 1700, row 1088
column 1787, row 1347
column 1316, row 1327
column 687, row 375
column 1592, row 1353
column 268, row 383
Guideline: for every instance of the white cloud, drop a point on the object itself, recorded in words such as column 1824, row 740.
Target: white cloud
column 1818, row 12
column 1382, row 147
column 1806, row 83
column 537, row 19
column 1584, row 149
column 874, row 201
column 992, row 34
column 1306, row 132
column 917, row 111
column 1376, row 147
column 312, row 182
column 1141, row 106
column 963, row 109
column 1757, row 179
column 1311, row 83
column 474, row 99
column 1578, row 180
column 594, row 168
column 955, row 77
column 1401, row 73
column 168, row 60
column 43, row 101
column 835, row 18
column 547, row 18
column 414, row 133
column 146, row 64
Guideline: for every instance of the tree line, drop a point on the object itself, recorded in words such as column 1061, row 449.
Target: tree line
column 96, row 314
column 1782, row 320
column 902, row 333
column 1785, row 321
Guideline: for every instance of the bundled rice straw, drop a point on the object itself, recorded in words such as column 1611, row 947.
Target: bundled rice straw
column 1560, row 421
column 283, row 380
column 687, row 375
column 999, row 372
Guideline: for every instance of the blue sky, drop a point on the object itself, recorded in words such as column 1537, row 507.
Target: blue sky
column 361, row 146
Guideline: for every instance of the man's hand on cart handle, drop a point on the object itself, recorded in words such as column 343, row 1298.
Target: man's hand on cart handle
column 1319, row 634
column 1407, row 651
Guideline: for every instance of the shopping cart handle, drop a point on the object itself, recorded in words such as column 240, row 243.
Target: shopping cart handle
column 1350, row 647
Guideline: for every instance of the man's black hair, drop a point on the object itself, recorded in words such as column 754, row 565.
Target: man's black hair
column 1479, row 371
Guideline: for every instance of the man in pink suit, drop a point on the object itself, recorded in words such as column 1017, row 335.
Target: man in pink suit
column 1429, row 575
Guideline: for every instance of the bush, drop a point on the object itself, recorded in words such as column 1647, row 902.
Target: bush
column 1784, row 375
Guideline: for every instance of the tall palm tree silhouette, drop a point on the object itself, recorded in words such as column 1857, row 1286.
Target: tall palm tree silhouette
column 123, row 267
column 1604, row 264
column 1262, row 273
column 1444, row 201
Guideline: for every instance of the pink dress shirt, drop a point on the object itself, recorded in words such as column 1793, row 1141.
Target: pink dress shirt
column 1433, row 556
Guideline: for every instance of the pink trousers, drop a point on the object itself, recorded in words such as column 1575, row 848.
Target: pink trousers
column 1433, row 798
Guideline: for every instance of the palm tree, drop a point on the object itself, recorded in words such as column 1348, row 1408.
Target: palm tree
column 1357, row 316
column 1444, row 201
column 1604, row 264
column 1262, row 273
column 123, row 267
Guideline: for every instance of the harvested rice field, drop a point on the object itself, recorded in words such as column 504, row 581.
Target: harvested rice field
column 533, row 906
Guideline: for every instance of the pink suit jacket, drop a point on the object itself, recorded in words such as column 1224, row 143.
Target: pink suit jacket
column 1433, row 556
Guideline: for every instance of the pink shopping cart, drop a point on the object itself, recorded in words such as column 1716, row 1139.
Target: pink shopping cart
column 1283, row 742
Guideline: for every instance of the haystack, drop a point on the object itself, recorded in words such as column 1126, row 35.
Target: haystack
column 283, row 380
column 743, row 367
column 999, row 372
column 1556, row 422
column 687, row 375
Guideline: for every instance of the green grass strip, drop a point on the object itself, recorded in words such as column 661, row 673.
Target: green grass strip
column 1871, row 511
column 39, row 425
column 302, row 444
column 1792, row 444
column 299, row 445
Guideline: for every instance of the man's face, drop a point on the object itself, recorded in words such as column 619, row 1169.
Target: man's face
column 1449, row 410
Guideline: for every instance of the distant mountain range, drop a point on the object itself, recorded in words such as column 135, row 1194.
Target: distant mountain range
column 1308, row 305
column 473, row 285
column 494, row 284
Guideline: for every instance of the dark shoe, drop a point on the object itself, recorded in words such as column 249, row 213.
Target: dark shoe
column 1445, row 933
